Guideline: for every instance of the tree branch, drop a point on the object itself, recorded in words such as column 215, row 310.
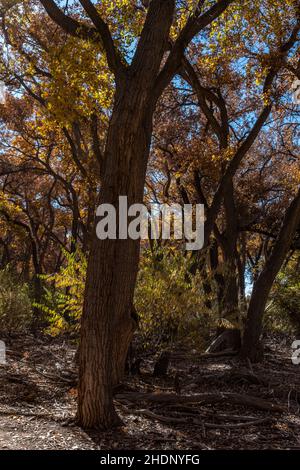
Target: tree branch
column 68, row 24
column 194, row 25
column 113, row 58
column 99, row 33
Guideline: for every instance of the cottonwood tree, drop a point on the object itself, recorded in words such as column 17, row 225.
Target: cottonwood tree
column 107, row 324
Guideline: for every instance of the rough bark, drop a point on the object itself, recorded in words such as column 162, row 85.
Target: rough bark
column 107, row 324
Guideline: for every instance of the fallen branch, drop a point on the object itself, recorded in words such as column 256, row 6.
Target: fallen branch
column 56, row 377
column 165, row 419
column 240, row 425
column 192, row 420
column 204, row 398
column 190, row 411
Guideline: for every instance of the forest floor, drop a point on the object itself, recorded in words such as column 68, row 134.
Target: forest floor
column 216, row 402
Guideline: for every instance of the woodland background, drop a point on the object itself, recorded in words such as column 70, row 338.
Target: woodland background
column 167, row 102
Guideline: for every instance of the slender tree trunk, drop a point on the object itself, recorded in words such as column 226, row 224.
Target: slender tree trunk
column 230, row 301
column 88, row 227
column 251, row 342
column 229, row 247
column 218, row 277
column 207, row 289
column 37, row 285
column 241, row 264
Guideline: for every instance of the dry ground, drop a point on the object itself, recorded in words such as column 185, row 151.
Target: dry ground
column 213, row 408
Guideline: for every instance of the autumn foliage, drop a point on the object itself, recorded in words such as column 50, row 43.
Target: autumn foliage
column 102, row 99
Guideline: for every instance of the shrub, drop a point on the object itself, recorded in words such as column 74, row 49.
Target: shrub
column 15, row 304
column 169, row 301
column 63, row 299
column 283, row 311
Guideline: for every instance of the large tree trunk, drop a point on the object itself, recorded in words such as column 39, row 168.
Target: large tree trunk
column 251, row 348
column 107, row 323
